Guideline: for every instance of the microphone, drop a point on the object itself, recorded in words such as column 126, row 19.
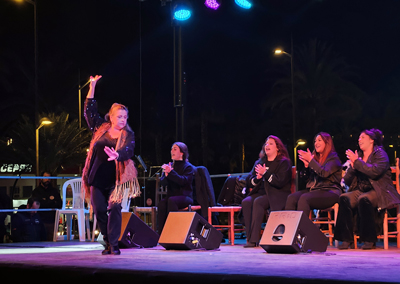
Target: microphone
column 142, row 163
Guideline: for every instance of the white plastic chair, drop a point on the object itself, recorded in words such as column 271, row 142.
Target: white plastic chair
column 78, row 208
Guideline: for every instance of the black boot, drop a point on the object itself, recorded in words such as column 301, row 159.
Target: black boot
column 107, row 248
column 346, row 245
column 250, row 245
column 115, row 250
column 368, row 245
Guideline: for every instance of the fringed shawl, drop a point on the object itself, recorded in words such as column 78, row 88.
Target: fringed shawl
column 126, row 172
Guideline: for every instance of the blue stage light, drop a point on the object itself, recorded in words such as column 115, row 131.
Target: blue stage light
column 245, row 4
column 182, row 14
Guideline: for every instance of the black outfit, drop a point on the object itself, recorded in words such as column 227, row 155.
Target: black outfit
column 102, row 176
column 323, row 186
column 179, row 190
column 49, row 197
column 370, row 187
column 269, row 192
column 5, row 203
column 27, row 227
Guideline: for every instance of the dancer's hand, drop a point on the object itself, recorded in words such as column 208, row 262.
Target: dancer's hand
column 92, row 86
column 93, row 80
column 112, row 154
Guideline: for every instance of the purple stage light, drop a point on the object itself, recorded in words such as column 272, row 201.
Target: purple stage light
column 213, row 4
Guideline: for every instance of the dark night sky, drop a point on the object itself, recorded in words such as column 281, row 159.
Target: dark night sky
column 228, row 55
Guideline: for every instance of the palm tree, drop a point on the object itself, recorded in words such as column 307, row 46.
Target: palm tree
column 325, row 92
column 62, row 144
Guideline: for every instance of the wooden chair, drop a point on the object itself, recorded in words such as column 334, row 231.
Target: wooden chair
column 329, row 220
column 231, row 210
column 148, row 210
column 390, row 220
column 231, row 220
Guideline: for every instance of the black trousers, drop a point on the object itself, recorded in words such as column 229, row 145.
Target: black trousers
column 364, row 205
column 109, row 216
column 170, row 204
column 305, row 200
column 253, row 209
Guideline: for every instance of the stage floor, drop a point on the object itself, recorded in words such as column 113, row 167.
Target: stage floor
column 76, row 262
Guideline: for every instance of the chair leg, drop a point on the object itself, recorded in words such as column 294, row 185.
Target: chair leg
column 335, row 211
column 87, row 226
column 69, row 226
column 154, row 218
column 94, row 227
column 330, row 228
column 55, row 232
column 232, row 227
column 385, row 231
column 81, row 226
column 398, row 226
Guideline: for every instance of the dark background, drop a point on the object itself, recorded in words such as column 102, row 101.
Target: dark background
column 228, row 58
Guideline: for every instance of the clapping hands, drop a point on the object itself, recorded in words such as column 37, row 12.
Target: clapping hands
column 167, row 168
column 260, row 170
column 352, row 156
column 305, row 156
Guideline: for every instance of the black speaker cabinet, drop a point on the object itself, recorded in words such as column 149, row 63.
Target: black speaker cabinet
column 292, row 232
column 188, row 230
column 134, row 233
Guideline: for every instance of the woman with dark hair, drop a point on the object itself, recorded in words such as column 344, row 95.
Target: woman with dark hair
column 323, row 171
column 177, row 177
column 270, row 180
column 370, row 191
column 108, row 167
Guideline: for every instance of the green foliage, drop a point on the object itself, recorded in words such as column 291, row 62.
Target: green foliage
column 326, row 97
column 62, row 144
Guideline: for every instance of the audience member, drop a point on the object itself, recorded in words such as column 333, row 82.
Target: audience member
column 27, row 226
column 5, row 203
column 49, row 197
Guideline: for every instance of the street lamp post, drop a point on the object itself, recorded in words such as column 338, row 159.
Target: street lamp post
column 279, row 52
column 43, row 122
column 298, row 143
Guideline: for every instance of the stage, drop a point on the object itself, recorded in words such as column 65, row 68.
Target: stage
column 82, row 262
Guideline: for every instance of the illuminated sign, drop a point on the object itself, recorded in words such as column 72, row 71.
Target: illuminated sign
column 12, row 168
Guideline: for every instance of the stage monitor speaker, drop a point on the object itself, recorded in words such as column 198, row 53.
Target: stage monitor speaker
column 188, row 230
column 134, row 233
column 292, row 232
